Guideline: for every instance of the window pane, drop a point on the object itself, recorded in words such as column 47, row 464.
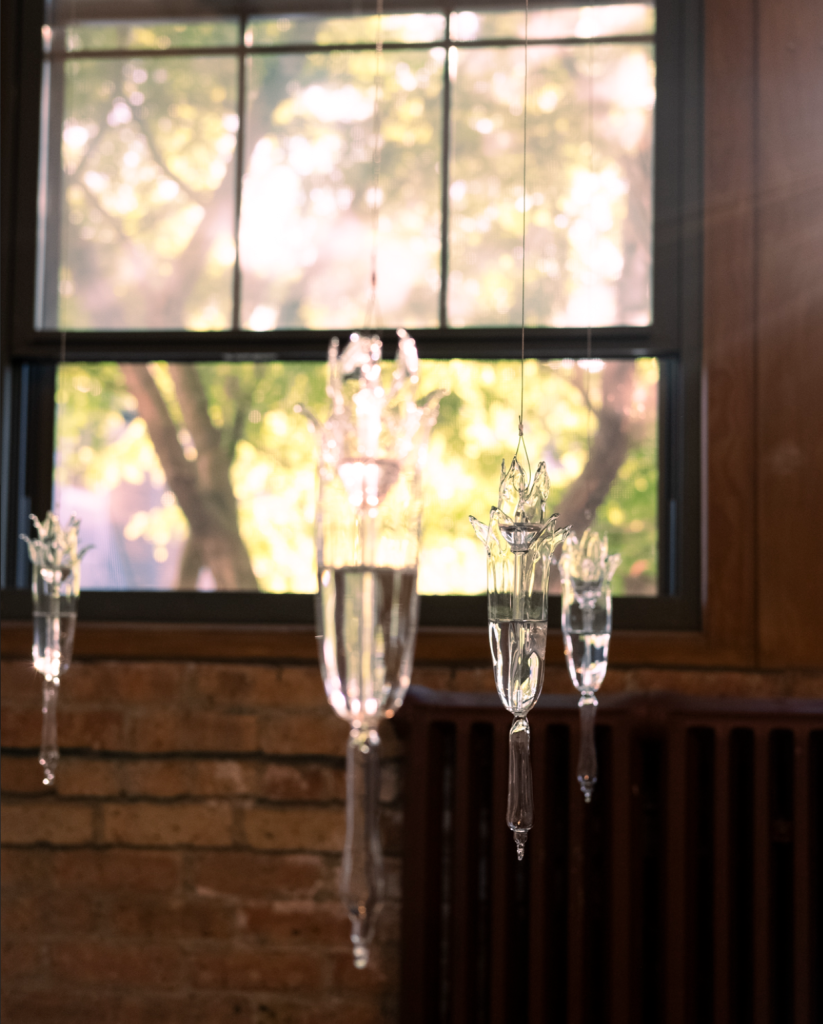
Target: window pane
column 589, row 234
column 306, row 221
column 311, row 29
column 557, row 23
column 151, row 35
column 143, row 218
column 255, row 461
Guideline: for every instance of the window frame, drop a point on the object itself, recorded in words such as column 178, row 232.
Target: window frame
column 675, row 338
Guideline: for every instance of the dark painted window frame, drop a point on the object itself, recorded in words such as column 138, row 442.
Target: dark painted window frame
column 29, row 356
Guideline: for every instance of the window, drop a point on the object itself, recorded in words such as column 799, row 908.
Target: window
column 205, row 204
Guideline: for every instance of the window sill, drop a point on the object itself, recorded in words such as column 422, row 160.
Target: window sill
column 435, row 645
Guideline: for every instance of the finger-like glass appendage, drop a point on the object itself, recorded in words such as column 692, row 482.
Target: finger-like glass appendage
column 49, row 750
column 361, row 883
column 520, row 809
column 587, row 758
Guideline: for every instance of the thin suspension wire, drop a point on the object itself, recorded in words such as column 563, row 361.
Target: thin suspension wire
column 521, row 440
column 61, row 398
column 590, row 120
column 372, row 313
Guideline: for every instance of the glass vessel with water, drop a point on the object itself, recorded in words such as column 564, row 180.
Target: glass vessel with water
column 586, row 571
column 519, row 540
column 55, row 590
column 372, row 451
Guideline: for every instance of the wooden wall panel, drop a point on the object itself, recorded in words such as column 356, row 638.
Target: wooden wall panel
column 728, row 331
column 790, row 332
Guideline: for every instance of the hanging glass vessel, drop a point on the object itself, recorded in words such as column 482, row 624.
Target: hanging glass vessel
column 372, row 451
column 586, row 571
column 55, row 591
column 519, row 541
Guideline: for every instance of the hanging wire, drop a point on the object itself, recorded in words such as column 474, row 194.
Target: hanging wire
column 587, row 512
column 61, row 399
column 521, row 440
column 372, row 313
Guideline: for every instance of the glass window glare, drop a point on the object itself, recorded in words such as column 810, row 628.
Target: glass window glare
column 151, row 35
column 108, row 470
column 554, row 23
column 307, row 29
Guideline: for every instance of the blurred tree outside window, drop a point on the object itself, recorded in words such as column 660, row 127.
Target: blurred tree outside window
column 230, row 189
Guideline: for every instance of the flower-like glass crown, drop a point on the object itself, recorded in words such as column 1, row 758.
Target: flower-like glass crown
column 374, row 431
column 518, row 525
column 586, row 565
column 372, row 451
column 55, row 550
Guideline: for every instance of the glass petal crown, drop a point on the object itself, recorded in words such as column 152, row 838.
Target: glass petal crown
column 56, row 549
column 372, row 451
column 586, row 565
column 518, row 525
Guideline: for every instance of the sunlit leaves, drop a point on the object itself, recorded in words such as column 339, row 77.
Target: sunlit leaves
column 105, row 449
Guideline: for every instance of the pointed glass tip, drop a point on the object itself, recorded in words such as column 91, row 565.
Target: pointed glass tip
column 587, row 784
column 520, row 837
column 361, row 956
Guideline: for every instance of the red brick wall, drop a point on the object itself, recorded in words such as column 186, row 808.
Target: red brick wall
column 186, row 868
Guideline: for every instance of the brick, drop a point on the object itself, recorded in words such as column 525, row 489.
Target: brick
column 297, row 922
column 20, row 728
column 65, row 1007
column 27, row 870
column 381, row 974
column 49, row 913
column 251, row 687
column 302, row 781
column 307, row 733
column 220, row 777
column 191, row 1008
column 303, row 686
column 149, row 823
column 319, row 1009
column 89, row 776
column 131, row 915
column 142, row 683
column 139, row 870
column 98, row 729
column 173, row 731
column 319, row 828
column 21, row 685
column 20, row 959
column 109, row 963
column 168, row 777
column 259, row 875
column 90, row 682
column 21, row 774
column 259, row 969
column 26, row 822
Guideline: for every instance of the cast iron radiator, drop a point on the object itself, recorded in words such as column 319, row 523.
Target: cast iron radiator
column 687, row 892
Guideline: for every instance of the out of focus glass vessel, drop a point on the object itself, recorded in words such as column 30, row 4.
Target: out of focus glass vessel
column 586, row 571
column 520, row 540
column 372, row 452
column 55, row 591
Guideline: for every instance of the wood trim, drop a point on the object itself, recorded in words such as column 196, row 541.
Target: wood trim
column 789, row 337
column 208, row 642
column 728, row 394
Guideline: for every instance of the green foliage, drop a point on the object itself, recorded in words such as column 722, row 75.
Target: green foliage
column 102, row 445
